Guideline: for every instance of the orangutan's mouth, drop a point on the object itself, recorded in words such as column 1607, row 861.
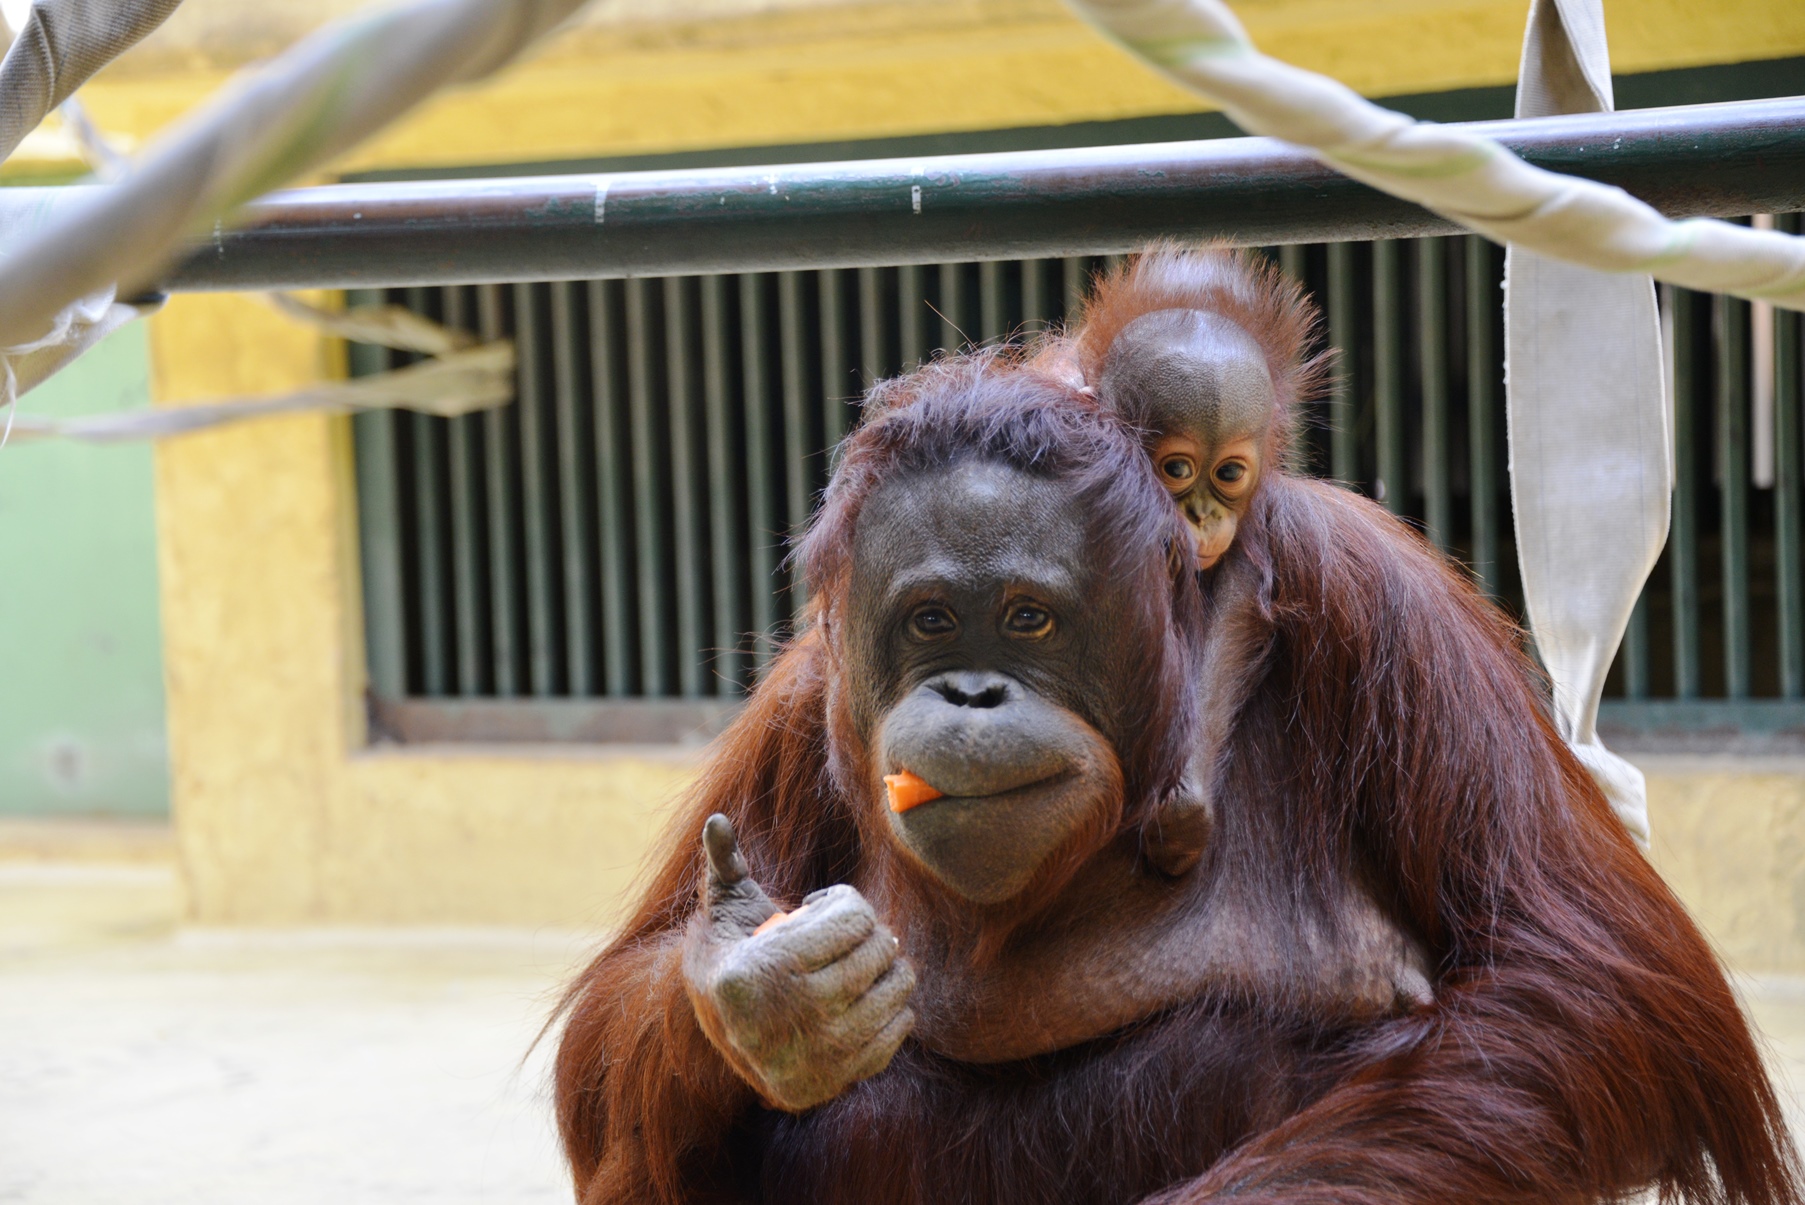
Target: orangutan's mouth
column 907, row 791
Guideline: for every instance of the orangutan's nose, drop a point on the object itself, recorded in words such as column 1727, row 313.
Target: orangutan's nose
column 972, row 689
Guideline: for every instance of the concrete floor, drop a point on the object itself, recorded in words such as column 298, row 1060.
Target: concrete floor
column 144, row 1062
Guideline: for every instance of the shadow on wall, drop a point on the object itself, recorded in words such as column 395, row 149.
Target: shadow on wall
column 81, row 671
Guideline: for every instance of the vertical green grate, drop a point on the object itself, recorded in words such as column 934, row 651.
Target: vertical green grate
column 620, row 532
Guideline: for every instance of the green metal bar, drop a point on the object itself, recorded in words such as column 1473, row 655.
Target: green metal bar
column 1077, row 285
column 689, row 483
column 464, row 448
column 1344, row 337
column 1789, row 489
column 576, row 512
column 614, row 478
column 501, row 469
column 1037, row 308
column 914, row 319
column 1432, row 351
column 1709, row 718
column 432, row 597
column 1722, row 159
column 651, row 488
column 537, row 492
column 1482, row 409
column 379, row 528
column 1291, row 261
column 839, row 386
column 430, row 583
column 1388, row 377
column 764, row 532
column 1635, row 651
column 797, row 463
column 955, row 318
column 993, row 319
column 1682, row 542
column 726, row 486
column 1732, row 323
column 873, row 327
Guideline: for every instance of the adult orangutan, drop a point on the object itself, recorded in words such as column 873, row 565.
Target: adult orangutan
column 1113, row 937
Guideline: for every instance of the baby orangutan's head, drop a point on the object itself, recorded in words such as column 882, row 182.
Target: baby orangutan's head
column 1204, row 352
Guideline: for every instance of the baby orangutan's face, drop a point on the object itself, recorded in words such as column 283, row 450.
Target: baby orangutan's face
column 1210, row 484
column 1199, row 385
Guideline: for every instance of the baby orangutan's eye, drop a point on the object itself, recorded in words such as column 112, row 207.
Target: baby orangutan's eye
column 1231, row 472
column 932, row 622
column 1178, row 470
column 1028, row 619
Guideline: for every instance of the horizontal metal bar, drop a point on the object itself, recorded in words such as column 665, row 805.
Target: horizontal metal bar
column 1707, row 159
column 692, row 721
column 1687, row 726
column 549, row 721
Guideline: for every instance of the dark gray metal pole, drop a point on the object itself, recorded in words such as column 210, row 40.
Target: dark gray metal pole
column 1703, row 160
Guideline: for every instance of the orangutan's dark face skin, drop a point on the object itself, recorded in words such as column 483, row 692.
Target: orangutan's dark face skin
column 982, row 638
column 1199, row 384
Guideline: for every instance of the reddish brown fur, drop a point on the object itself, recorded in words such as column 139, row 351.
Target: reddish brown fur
column 1583, row 1041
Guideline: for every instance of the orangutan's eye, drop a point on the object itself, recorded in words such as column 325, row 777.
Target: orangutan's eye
column 1178, row 470
column 933, row 622
column 1230, row 471
column 1028, row 619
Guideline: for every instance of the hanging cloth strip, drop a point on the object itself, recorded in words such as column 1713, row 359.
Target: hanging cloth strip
column 458, row 382
column 1590, row 450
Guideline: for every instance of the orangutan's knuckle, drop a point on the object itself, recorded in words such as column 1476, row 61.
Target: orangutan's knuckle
column 738, row 988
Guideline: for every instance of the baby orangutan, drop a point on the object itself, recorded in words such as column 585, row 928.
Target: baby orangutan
column 1204, row 353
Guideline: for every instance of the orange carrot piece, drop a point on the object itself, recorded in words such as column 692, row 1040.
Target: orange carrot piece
column 907, row 791
column 777, row 918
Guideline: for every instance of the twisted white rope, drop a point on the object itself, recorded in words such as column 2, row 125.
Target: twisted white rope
column 322, row 96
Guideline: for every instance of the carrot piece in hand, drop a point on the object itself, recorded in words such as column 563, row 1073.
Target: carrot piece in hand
column 777, row 918
column 908, row 791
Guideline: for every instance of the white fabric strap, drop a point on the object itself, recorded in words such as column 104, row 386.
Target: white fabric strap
column 458, row 382
column 1590, row 468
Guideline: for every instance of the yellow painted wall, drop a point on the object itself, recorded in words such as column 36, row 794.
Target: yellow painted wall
column 870, row 70
column 1729, row 835
column 282, row 815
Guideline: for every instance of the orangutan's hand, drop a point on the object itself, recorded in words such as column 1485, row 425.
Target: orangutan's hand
column 801, row 1005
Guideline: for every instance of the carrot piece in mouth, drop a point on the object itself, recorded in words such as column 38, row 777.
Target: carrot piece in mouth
column 907, row 791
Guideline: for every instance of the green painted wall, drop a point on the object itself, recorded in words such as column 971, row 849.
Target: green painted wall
column 81, row 672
